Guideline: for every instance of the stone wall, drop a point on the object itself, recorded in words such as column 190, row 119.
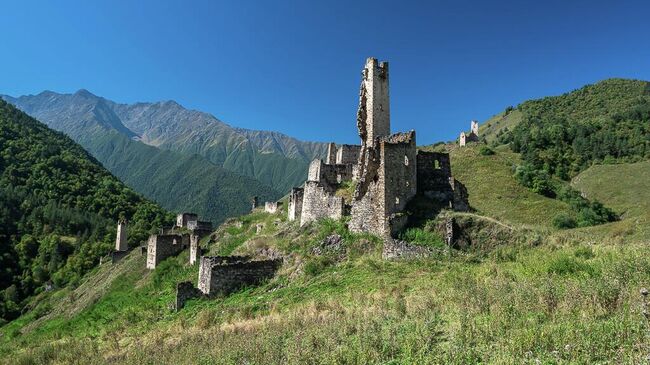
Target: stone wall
column 329, row 175
column 434, row 177
column 224, row 275
column 183, row 218
column 184, row 291
column 348, row 154
column 161, row 247
column 295, row 203
column 272, row 207
column 320, row 202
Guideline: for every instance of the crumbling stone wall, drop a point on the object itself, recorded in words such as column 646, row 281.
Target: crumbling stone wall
column 295, row 203
column 184, row 291
column 224, row 275
column 320, row 202
column 348, row 154
column 386, row 184
column 272, row 207
column 329, row 175
column 183, row 218
column 161, row 247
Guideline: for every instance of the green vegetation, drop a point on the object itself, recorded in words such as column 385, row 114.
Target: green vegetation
column 58, row 209
column 179, row 182
column 552, row 303
column 564, row 135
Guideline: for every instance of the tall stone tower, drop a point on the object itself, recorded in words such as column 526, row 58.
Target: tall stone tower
column 120, row 239
column 373, row 116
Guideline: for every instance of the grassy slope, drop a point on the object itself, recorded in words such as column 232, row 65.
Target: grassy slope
column 572, row 299
column 498, row 123
column 494, row 192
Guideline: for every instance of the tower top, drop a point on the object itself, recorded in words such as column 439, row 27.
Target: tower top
column 373, row 115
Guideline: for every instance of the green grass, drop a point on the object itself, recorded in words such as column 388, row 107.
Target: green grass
column 494, row 192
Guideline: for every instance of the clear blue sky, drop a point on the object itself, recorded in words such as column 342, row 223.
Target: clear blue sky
column 294, row 66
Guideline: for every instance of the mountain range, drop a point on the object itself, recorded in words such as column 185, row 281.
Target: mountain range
column 184, row 159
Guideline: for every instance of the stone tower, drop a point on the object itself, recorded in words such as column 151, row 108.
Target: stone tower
column 120, row 239
column 373, row 116
column 463, row 139
column 254, row 203
column 474, row 127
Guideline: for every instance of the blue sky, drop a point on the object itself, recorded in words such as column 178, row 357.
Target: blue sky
column 294, row 66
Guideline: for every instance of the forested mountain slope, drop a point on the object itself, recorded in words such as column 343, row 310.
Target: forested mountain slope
column 177, row 181
column 58, row 209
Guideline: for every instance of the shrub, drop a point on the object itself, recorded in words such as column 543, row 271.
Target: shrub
column 486, row 151
column 563, row 221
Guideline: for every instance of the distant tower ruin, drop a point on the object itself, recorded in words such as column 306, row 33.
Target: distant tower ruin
column 471, row 137
column 254, row 201
column 474, row 127
column 120, row 239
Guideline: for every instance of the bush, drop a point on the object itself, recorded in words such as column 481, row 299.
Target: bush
column 486, row 151
column 564, row 221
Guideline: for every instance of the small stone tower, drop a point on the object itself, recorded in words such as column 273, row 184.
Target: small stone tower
column 254, row 201
column 463, row 139
column 120, row 239
column 373, row 117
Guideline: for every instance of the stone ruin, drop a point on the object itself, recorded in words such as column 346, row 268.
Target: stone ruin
column 272, row 207
column 121, row 244
column 170, row 242
column 222, row 275
column 471, row 137
column 386, row 170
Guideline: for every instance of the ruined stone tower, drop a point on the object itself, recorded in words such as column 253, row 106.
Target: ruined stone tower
column 373, row 116
column 120, row 239
column 474, row 127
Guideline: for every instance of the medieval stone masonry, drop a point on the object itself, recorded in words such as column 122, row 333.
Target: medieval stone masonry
column 171, row 242
column 222, row 275
column 386, row 170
